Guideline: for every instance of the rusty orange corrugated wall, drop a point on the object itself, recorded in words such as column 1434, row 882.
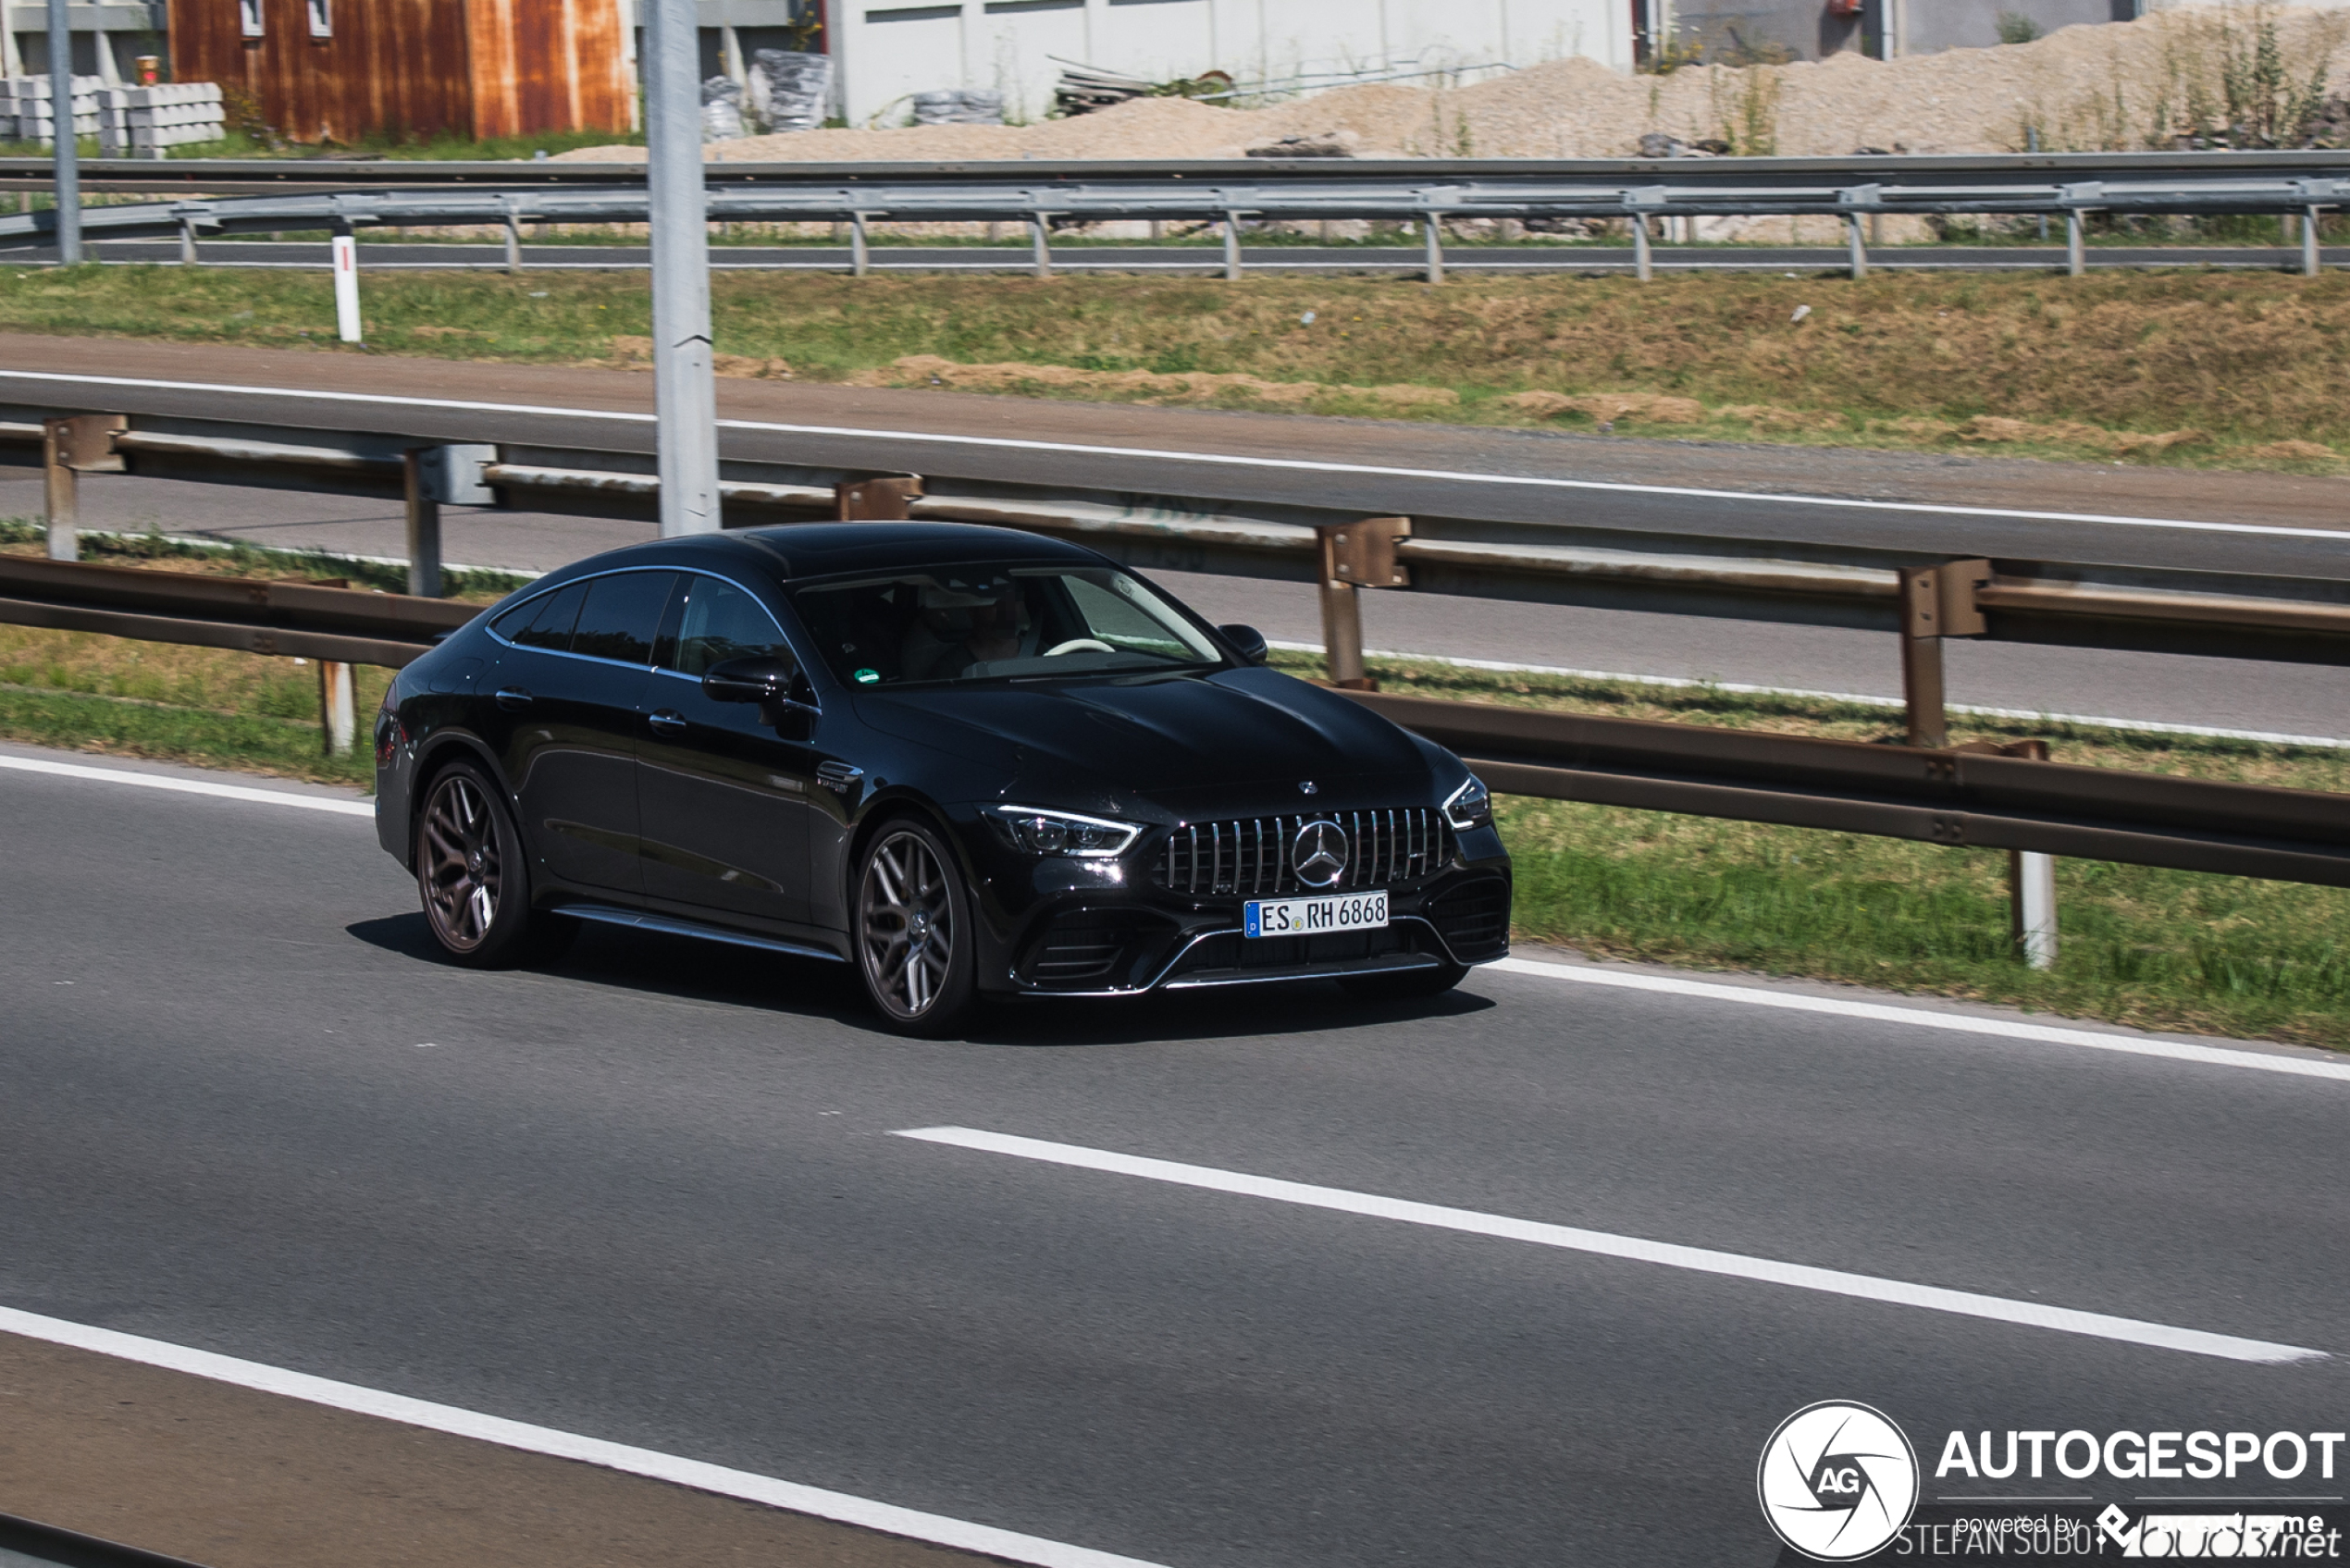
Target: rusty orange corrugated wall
column 467, row 67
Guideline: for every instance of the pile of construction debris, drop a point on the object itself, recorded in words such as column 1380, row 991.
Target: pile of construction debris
column 2187, row 77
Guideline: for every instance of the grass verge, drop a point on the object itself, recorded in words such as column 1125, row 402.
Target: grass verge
column 2182, row 367
column 2160, row 949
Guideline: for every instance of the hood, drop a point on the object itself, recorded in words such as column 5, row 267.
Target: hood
column 1175, row 740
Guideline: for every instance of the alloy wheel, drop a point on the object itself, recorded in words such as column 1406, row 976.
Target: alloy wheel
column 906, row 912
column 462, row 873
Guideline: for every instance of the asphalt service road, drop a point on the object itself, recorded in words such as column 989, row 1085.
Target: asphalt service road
column 1527, row 1275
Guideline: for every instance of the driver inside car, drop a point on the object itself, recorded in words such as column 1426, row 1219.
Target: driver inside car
column 959, row 624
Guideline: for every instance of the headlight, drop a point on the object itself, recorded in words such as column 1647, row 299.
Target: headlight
column 1064, row 832
column 1471, row 805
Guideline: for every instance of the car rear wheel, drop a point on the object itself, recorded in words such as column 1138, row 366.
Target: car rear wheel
column 915, row 939
column 473, row 876
column 1405, row 986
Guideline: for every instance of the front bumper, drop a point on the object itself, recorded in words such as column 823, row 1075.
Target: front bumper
column 1100, row 941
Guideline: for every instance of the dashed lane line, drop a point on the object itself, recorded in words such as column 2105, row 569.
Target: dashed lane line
column 1700, row 1260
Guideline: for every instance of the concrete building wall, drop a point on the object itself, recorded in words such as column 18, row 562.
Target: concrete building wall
column 887, row 49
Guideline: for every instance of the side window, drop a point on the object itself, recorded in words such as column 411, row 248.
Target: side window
column 722, row 621
column 545, row 622
column 621, row 615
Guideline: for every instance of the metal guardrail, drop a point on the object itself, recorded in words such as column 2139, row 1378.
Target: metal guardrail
column 34, row 1541
column 1963, row 797
column 1921, row 599
column 1229, row 193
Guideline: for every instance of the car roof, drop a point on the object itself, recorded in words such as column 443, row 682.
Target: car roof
column 824, row 549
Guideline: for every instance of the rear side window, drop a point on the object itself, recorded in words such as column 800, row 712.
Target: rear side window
column 545, row 622
column 622, row 613
column 721, row 622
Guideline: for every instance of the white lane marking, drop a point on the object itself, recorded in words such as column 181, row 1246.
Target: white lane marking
column 2149, row 726
column 1920, row 1018
column 192, row 787
column 1702, row 1260
column 1293, row 464
column 840, row 1506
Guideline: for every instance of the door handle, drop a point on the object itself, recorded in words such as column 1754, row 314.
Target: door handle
column 514, row 700
column 667, row 721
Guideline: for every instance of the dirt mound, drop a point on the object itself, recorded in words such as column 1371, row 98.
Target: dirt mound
column 2109, row 87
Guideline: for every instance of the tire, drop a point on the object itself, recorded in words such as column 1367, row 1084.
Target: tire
column 1406, row 985
column 473, row 875
column 916, row 950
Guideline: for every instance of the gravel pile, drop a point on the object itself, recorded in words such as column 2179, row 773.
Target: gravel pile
column 2121, row 85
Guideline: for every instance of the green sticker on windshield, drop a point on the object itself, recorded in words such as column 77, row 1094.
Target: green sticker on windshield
column 867, row 677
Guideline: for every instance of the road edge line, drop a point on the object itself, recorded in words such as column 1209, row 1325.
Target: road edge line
column 189, row 787
column 1920, row 1018
column 839, row 1507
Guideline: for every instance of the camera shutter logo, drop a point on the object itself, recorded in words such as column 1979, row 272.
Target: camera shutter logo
column 1838, row 1481
column 1318, row 854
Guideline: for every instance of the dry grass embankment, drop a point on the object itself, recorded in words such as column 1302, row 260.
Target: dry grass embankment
column 2210, row 369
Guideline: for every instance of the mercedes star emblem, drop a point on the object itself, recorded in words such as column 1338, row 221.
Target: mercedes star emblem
column 1318, row 854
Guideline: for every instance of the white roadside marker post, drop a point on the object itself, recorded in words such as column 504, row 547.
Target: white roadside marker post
column 338, row 708
column 65, row 152
column 346, row 251
column 2031, row 895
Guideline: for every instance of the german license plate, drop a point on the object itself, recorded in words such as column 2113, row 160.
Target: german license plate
column 1313, row 916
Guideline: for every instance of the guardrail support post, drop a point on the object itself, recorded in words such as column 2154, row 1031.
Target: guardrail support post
column 1232, row 246
column 1040, row 242
column 1860, row 246
column 1936, row 602
column 80, row 444
column 338, row 708
column 883, row 498
column 1643, row 263
column 187, row 241
column 861, row 258
column 1355, row 556
column 423, row 527
column 2076, row 259
column 514, row 241
column 2310, row 265
column 58, row 492
column 1435, row 248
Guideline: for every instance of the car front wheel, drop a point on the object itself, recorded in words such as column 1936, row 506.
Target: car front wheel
column 475, row 879
column 914, row 940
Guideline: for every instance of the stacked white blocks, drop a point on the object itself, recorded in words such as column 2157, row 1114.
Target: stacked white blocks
column 24, row 107
column 139, row 122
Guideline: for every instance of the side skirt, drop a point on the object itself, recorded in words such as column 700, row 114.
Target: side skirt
column 670, row 925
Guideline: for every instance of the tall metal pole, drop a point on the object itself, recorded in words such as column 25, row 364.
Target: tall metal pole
column 66, row 155
column 684, row 397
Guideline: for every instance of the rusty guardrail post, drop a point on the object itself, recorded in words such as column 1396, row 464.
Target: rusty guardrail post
column 1936, row 602
column 82, row 443
column 1355, row 556
column 882, row 498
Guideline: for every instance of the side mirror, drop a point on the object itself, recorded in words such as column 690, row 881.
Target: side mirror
column 1247, row 641
column 749, row 679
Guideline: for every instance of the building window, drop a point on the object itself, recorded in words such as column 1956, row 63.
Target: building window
column 249, row 18
column 322, row 20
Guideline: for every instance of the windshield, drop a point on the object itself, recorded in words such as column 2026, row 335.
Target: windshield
column 997, row 623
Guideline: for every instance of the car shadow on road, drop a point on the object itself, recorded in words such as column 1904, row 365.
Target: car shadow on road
column 713, row 972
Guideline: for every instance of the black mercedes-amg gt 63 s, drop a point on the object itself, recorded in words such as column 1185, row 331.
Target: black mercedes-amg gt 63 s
column 969, row 762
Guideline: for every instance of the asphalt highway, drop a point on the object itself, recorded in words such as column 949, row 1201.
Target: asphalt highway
column 1208, row 260
column 654, row 1195
column 1799, row 497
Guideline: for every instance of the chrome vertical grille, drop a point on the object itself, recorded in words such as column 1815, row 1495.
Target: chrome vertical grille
column 1248, row 856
